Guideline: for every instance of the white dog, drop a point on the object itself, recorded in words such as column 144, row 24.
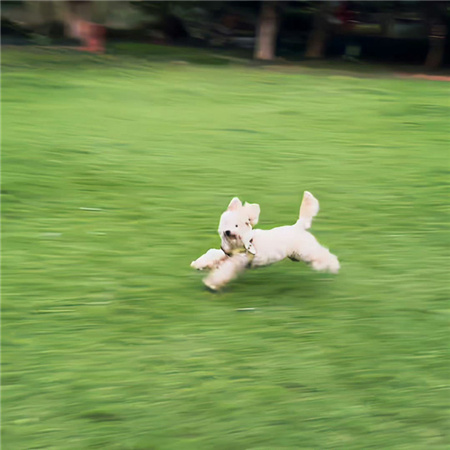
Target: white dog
column 243, row 247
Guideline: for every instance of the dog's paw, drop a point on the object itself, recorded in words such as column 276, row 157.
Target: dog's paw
column 212, row 289
column 200, row 266
column 329, row 264
column 211, row 286
column 196, row 265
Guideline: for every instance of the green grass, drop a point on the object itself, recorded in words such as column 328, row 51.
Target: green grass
column 110, row 340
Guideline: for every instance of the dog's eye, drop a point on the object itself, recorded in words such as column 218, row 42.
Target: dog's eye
column 236, row 226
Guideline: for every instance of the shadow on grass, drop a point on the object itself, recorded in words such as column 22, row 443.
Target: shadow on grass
column 275, row 286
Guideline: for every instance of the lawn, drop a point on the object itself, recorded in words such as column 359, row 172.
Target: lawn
column 115, row 172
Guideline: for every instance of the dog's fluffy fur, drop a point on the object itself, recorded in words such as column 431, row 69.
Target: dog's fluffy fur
column 242, row 246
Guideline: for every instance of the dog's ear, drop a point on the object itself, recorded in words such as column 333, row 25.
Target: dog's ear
column 253, row 211
column 234, row 204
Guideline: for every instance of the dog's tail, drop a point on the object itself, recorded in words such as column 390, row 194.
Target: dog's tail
column 308, row 210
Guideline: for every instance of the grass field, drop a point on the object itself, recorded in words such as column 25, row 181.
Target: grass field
column 115, row 172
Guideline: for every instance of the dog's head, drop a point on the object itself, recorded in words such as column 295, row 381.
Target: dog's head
column 236, row 222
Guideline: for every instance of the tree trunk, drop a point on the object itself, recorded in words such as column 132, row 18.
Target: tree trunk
column 63, row 12
column 436, row 47
column 267, row 32
column 437, row 32
column 39, row 13
column 315, row 47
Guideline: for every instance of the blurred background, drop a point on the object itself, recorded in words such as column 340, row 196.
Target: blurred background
column 398, row 32
column 127, row 127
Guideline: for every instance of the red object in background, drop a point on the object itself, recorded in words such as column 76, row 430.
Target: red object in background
column 93, row 37
column 345, row 15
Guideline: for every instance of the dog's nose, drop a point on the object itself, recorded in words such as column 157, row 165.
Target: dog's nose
column 228, row 233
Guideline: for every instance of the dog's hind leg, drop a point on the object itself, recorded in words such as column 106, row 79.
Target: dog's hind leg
column 325, row 261
column 227, row 271
column 210, row 260
column 310, row 251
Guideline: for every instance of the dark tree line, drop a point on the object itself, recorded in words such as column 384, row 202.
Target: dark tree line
column 267, row 16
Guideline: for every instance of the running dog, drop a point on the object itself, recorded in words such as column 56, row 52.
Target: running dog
column 244, row 247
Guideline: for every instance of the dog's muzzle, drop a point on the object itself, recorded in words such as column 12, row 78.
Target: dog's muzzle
column 229, row 235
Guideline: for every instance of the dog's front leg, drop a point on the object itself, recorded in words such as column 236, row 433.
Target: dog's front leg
column 228, row 270
column 210, row 260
